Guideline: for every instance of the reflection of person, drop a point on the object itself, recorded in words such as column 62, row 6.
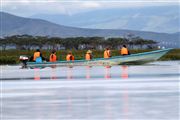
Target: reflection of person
column 124, row 73
column 124, row 50
column 69, row 56
column 53, row 74
column 88, row 76
column 88, row 55
column 37, row 74
column 107, row 72
column 107, row 53
column 69, row 73
column 53, row 56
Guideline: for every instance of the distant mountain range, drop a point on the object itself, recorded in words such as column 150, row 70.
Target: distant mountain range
column 164, row 19
column 14, row 25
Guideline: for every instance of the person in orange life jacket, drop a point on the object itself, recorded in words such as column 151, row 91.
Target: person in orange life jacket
column 53, row 57
column 124, row 50
column 70, row 56
column 107, row 53
column 37, row 57
column 36, row 54
column 88, row 55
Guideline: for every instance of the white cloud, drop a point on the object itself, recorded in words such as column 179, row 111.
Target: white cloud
column 30, row 7
column 91, row 4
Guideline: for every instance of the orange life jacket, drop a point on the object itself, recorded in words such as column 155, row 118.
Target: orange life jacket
column 107, row 54
column 69, row 57
column 124, row 51
column 52, row 58
column 88, row 56
column 36, row 55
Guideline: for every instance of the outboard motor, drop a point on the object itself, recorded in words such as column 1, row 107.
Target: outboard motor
column 23, row 59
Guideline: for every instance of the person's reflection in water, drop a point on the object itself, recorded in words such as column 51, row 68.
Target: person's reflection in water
column 125, row 103
column 88, row 68
column 124, row 73
column 107, row 72
column 69, row 73
column 53, row 74
column 109, row 109
column 37, row 74
column 88, row 100
column 69, row 104
column 37, row 107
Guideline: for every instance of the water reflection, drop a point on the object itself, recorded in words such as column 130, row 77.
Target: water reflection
column 53, row 74
column 36, row 74
column 107, row 72
column 69, row 73
column 124, row 73
column 126, row 103
column 88, row 68
column 120, row 98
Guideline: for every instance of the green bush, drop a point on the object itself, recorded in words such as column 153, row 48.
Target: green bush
column 8, row 60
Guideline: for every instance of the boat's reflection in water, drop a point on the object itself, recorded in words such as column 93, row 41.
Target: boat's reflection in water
column 105, row 103
column 85, row 75
column 94, row 93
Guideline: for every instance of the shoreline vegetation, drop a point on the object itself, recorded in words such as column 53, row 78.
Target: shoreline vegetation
column 12, row 56
column 14, row 46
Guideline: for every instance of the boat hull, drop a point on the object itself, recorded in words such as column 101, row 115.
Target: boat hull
column 140, row 57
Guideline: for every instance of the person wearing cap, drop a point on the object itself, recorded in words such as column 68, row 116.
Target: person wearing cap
column 53, row 57
column 107, row 53
column 70, row 56
column 88, row 55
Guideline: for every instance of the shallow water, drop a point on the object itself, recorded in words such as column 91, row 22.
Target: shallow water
column 141, row 92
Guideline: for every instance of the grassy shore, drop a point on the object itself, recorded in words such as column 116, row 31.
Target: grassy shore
column 12, row 56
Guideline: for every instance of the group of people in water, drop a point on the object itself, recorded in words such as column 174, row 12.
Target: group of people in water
column 37, row 57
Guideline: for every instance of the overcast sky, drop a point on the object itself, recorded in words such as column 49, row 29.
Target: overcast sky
column 31, row 7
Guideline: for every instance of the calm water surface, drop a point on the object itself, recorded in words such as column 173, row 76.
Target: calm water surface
column 141, row 92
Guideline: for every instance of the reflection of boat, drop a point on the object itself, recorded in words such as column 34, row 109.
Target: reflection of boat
column 139, row 57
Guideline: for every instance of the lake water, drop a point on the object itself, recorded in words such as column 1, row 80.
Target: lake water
column 135, row 92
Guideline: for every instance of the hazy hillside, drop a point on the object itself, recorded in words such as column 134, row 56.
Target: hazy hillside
column 13, row 25
column 157, row 19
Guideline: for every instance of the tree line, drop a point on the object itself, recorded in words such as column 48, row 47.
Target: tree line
column 28, row 42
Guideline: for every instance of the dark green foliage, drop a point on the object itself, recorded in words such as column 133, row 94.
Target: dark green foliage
column 27, row 42
column 8, row 60
column 172, row 55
